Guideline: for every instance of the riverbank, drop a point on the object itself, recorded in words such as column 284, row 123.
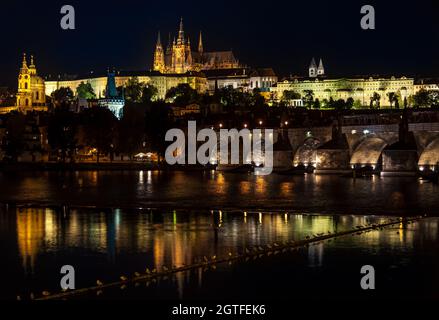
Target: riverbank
column 93, row 166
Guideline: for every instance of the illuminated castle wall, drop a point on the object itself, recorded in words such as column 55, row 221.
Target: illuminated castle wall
column 179, row 58
column 360, row 89
column 163, row 82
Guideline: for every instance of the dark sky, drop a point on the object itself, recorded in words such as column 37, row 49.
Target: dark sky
column 282, row 34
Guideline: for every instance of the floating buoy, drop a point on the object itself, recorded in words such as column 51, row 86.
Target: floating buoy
column 123, row 278
column 99, row 283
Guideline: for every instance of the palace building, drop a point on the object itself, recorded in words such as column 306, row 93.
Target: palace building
column 31, row 88
column 361, row 89
column 163, row 82
column 179, row 58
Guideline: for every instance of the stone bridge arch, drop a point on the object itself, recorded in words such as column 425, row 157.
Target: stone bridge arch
column 306, row 154
column 370, row 149
column 430, row 155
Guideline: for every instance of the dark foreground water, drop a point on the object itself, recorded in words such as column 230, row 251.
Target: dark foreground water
column 104, row 244
column 195, row 219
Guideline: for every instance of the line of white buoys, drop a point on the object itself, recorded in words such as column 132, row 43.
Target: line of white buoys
column 248, row 253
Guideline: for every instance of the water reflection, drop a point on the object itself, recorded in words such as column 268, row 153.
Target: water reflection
column 119, row 241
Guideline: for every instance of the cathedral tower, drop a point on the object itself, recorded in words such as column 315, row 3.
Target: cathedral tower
column 179, row 52
column 200, row 44
column 321, row 69
column 159, row 56
column 312, row 69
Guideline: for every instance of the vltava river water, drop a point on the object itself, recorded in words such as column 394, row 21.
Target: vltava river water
column 215, row 190
column 104, row 234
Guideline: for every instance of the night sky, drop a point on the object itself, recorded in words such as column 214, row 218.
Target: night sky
column 284, row 35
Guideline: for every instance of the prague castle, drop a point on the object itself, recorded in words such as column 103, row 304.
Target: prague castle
column 361, row 89
column 179, row 58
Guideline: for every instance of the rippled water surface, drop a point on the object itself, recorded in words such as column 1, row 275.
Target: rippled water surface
column 310, row 193
column 108, row 224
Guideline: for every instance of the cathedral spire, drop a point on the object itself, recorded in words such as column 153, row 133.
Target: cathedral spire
column 321, row 68
column 200, row 44
column 180, row 39
column 24, row 63
column 159, row 42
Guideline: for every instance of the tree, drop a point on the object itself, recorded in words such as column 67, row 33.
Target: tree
column 62, row 96
column 316, row 104
column 289, row 95
column 99, row 127
column 158, row 121
column 85, row 91
column 422, row 98
column 133, row 90
column 340, row 104
column 131, row 130
column 349, row 103
column 357, row 104
column 375, row 100
column 14, row 138
column 309, row 98
column 183, row 95
column 393, row 98
column 62, row 130
column 149, row 94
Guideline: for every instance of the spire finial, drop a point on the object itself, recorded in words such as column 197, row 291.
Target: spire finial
column 159, row 42
column 200, row 43
column 32, row 64
column 24, row 60
column 181, row 32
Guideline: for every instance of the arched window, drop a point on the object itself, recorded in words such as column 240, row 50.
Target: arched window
column 25, row 85
column 37, row 95
column 27, row 102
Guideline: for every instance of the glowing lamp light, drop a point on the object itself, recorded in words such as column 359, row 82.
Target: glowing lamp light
column 245, row 125
column 421, row 168
column 220, row 125
column 354, row 131
column 366, row 131
column 260, row 123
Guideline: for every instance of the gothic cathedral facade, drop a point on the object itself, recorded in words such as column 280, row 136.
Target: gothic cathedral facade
column 178, row 58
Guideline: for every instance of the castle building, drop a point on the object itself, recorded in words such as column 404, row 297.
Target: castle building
column 179, row 58
column 163, row 82
column 362, row 90
column 31, row 88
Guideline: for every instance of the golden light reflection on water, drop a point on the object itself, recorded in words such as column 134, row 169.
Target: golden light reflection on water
column 286, row 188
column 245, row 187
column 177, row 238
column 261, row 185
